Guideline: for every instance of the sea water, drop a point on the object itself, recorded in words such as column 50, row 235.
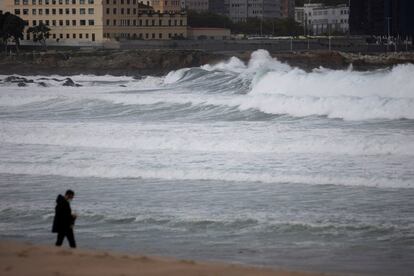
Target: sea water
column 257, row 163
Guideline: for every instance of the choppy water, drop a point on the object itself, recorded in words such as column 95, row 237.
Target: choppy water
column 256, row 163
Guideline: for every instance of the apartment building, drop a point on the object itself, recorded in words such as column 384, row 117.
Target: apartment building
column 240, row 10
column 124, row 19
column 197, row 5
column 319, row 19
column 287, row 8
column 165, row 5
column 98, row 20
column 215, row 6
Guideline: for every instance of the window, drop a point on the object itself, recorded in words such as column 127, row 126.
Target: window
column 47, row 11
column 128, row 11
column 160, row 35
column 17, row 2
column 74, row 2
column 25, row 2
column 34, row 11
column 153, row 36
column 67, row 2
column 61, row 36
column 82, row 2
column 90, row 1
column 60, row 11
column 160, row 22
column 82, row 11
column 91, row 22
column 80, row 36
column 25, row 11
column 108, row 10
column 67, row 22
column 73, row 11
column 53, row 22
column 108, row 22
column 40, row 11
column 114, row 11
column 74, row 36
column 53, row 11
column 122, row 11
column 114, row 22
column 60, row 22
column 17, row 11
column 47, row 22
column 33, row 2
column 34, row 22
column 73, row 22
column 87, row 35
column 67, row 36
column 146, row 35
column 67, row 11
column 91, row 11
column 82, row 22
column 54, row 36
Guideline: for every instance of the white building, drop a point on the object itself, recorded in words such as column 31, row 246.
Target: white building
column 240, row 10
column 318, row 19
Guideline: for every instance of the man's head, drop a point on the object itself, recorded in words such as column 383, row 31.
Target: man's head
column 69, row 195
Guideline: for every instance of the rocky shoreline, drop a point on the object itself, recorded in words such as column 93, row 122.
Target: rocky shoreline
column 159, row 62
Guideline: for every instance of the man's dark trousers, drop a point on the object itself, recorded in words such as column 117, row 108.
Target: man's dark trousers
column 69, row 235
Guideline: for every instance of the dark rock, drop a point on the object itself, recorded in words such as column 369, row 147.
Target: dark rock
column 21, row 84
column 122, row 85
column 43, row 84
column 69, row 82
column 14, row 79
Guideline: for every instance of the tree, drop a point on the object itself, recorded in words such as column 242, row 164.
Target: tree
column 12, row 27
column 40, row 34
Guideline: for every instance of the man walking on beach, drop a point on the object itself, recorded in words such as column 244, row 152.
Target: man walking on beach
column 64, row 219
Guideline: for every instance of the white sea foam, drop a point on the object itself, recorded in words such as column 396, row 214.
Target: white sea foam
column 199, row 174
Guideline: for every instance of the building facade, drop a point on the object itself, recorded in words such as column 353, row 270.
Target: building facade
column 318, row 19
column 287, row 8
column 240, row 10
column 98, row 20
column 165, row 5
column 197, row 5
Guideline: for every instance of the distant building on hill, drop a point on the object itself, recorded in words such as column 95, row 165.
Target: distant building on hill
column 215, row 6
column 287, row 8
column 380, row 17
column 318, row 19
column 165, row 5
column 240, row 10
column 197, row 5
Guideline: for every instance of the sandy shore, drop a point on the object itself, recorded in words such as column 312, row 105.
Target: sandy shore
column 28, row 259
